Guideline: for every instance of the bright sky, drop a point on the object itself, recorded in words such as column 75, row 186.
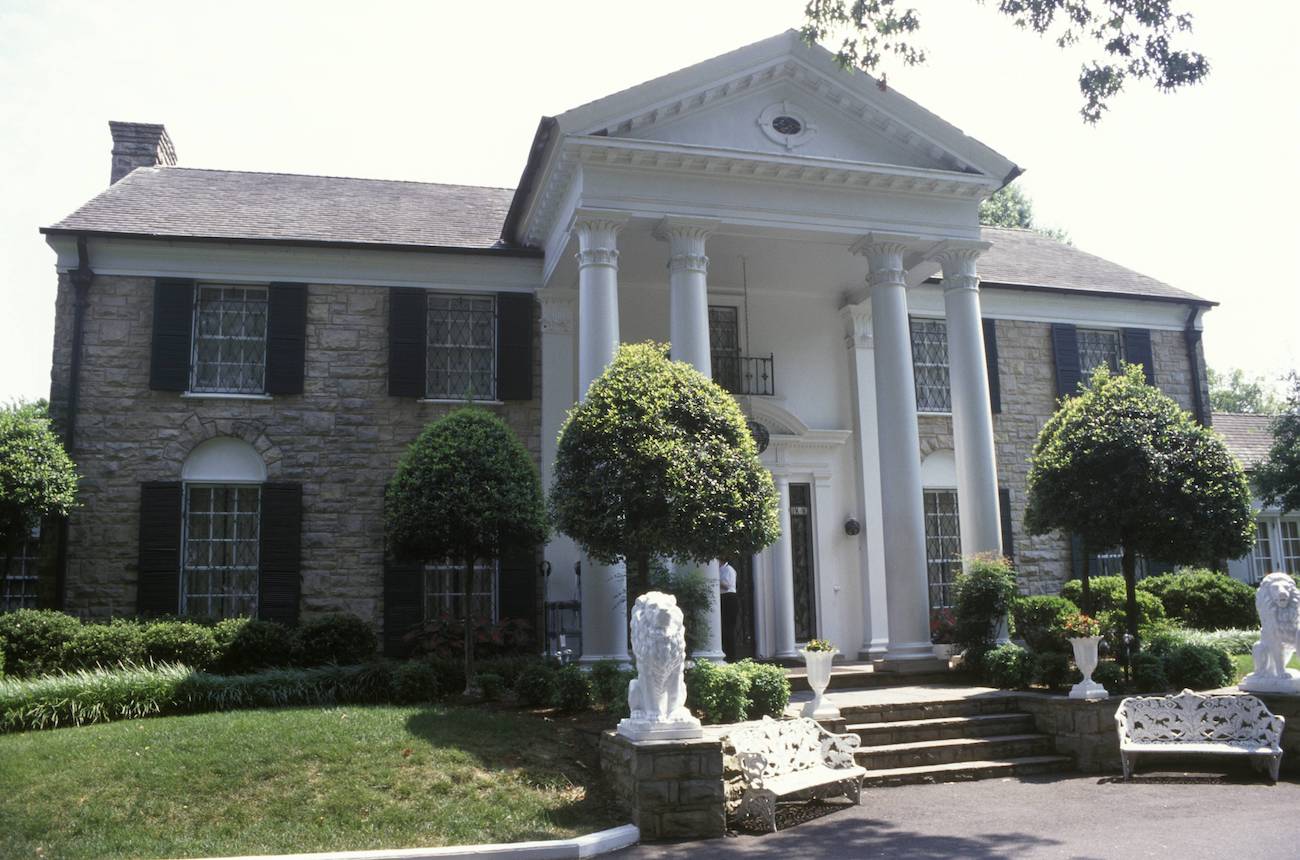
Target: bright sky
column 1198, row 189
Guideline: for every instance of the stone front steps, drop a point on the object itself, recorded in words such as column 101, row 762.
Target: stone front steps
column 967, row 771
column 862, row 676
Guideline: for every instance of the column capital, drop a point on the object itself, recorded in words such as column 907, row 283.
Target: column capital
column 559, row 310
column 857, row 326
column 597, row 238
column 884, row 253
column 958, row 261
column 686, row 238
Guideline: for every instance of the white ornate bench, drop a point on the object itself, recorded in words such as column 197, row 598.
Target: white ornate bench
column 781, row 758
column 1199, row 724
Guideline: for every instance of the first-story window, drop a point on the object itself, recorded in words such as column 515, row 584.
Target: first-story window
column 942, row 545
column 1290, row 546
column 229, row 340
column 444, row 591
column 1099, row 347
column 930, row 364
column 1261, row 554
column 462, row 348
column 222, row 539
column 18, row 584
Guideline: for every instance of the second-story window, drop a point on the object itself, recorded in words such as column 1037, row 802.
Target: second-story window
column 462, row 347
column 229, row 340
column 930, row 364
column 1097, row 348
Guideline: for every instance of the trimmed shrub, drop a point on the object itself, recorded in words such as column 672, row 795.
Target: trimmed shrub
column 182, row 642
column 1110, row 675
column 33, row 640
column 1052, row 669
column 414, row 683
column 1107, row 593
column 1008, row 666
column 609, row 685
column 1198, row 667
column 507, row 667
column 537, row 686
column 340, row 638
column 1040, row 619
column 2, row 664
column 1151, row 621
column 984, row 593
column 695, row 596
column 450, row 672
column 1232, row 641
column 1148, row 670
column 491, row 685
column 117, row 643
column 718, row 692
column 248, row 645
column 769, row 689
column 572, row 689
column 1204, row 599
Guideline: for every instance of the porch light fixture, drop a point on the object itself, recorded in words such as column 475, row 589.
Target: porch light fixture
column 852, row 527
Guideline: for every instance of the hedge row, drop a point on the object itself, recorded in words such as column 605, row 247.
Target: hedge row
column 39, row 642
column 1165, row 666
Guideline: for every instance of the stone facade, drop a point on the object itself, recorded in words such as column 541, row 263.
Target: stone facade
column 671, row 789
column 341, row 439
column 1027, row 373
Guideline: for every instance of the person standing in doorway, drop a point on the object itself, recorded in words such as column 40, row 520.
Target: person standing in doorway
column 730, row 606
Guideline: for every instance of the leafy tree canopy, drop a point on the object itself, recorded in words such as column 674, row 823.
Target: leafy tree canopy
column 1232, row 391
column 1132, row 39
column 1011, row 207
column 37, row 478
column 1278, row 477
column 658, row 461
column 466, row 488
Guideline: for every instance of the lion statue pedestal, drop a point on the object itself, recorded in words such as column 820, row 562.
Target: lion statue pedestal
column 1278, row 605
column 657, row 695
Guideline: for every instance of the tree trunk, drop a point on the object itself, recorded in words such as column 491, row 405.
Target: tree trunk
column 1130, row 596
column 1085, row 598
column 467, row 587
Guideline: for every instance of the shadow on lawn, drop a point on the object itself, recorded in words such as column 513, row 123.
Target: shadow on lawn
column 555, row 757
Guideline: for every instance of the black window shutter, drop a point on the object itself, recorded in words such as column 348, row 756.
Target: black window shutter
column 1008, row 536
column 286, row 338
column 514, row 346
column 280, row 583
column 1137, row 350
column 1065, row 350
column 408, row 323
column 403, row 604
column 173, row 319
column 159, row 583
column 517, row 585
column 991, row 360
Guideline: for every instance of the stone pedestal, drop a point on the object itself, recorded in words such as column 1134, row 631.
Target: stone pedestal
column 672, row 789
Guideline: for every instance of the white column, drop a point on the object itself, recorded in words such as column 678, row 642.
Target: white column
column 604, row 587
column 782, row 570
column 972, row 413
column 871, row 541
column 688, row 315
column 900, row 452
column 559, row 374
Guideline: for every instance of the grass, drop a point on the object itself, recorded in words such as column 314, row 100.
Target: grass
column 1246, row 664
column 295, row 780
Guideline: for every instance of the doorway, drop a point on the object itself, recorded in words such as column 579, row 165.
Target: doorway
column 801, row 552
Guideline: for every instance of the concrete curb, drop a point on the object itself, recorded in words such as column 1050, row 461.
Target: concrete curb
column 591, row 845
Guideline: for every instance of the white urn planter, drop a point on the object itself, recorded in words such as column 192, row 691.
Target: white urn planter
column 1085, row 657
column 819, row 665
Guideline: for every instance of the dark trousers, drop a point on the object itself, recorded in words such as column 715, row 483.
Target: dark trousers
column 730, row 616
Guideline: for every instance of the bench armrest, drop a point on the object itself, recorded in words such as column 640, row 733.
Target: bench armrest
column 837, row 750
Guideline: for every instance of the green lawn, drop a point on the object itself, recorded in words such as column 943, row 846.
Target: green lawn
column 296, row 780
column 1246, row 664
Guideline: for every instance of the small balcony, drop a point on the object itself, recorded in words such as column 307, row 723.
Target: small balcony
column 744, row 374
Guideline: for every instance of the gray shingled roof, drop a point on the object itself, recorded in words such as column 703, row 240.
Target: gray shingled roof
column 1248, row 436
column 183, row 202
column 228, row 204
column 1025, row 258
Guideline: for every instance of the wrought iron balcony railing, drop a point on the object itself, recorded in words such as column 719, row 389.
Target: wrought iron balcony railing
column 744, row 374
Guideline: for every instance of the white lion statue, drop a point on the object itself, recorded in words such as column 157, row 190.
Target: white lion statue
column 1278, row 603
column 657, row 696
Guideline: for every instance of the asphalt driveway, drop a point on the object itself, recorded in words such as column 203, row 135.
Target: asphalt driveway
column 1235, row 815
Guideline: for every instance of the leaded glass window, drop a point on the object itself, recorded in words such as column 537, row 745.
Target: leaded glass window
column 724, row 346
column 462, row 347
column 942, row 545
column 1098, row 347
column 1261, row 555
column 222, row 536
column 18, row 585
column 801, row 558
column 930, row 364
column 229, row 340
column 444, row 591
column 1291, row 546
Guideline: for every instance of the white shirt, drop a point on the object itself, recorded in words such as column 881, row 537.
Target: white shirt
column 726, row 579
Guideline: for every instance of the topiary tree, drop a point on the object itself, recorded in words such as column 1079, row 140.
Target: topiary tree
column 658, row 461
column 37, row 479
column 1120, row 464
column 465, row 490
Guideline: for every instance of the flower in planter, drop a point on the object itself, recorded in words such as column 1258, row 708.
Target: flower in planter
column 1080, row 626
column 943, row 626
column 818, row 645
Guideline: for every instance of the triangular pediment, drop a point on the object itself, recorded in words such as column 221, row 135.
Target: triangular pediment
column 784, row 97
